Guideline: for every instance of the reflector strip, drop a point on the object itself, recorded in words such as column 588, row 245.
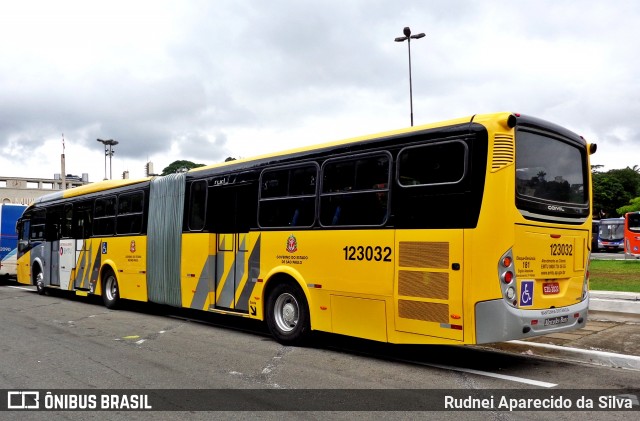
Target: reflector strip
column 450, row 326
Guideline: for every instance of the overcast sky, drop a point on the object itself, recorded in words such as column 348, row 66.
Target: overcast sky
column 204, row 80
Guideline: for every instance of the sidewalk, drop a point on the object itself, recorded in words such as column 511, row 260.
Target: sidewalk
column 614, row 301
column 610, row 337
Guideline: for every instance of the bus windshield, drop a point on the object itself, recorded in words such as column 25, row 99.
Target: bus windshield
column 634, row 222
column 612, row 230
column 549, row 169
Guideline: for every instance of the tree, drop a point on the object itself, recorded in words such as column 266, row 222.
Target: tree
column 614, row 189
column 633, row 206
column 630, row 180
column 608, row 195
column 179, row 166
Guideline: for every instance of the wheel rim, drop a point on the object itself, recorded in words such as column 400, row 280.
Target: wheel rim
column 287, row 312
column 40, row 281
column 111, row 288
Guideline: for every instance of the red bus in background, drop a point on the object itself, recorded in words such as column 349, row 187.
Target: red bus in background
column 632, row 234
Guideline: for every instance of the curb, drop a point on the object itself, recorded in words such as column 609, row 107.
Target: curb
column 614, row 301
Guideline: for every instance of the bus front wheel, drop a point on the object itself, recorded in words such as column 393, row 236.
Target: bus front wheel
column 288, row 314
column 110, row 291
column 40, row 283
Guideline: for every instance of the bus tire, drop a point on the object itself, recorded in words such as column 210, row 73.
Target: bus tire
column 39, row 281
column 110, row 290
column 288, row 314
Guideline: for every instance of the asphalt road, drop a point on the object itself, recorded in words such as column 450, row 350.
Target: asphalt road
column 68, row 342
column 606, row 256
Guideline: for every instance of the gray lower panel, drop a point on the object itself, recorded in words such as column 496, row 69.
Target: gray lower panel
column 496, row 321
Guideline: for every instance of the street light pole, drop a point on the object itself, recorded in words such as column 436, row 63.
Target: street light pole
column 108, row 153
column 407, row 37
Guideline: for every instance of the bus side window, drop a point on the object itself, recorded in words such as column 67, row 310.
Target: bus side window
column 23, row 234
column 130, row 213
column 288, row 196
column 67, row 222
column 231, row 208
column 82, row 221
column 37, row 225
column 197, row 205
column 352, row 185
column 432, row 164
column 104, row 216
column 53, row 221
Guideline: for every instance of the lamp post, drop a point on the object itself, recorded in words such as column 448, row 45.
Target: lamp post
column 108, row 153
column 408, row 37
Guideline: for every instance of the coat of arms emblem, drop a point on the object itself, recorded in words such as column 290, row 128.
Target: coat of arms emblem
column 292, row 244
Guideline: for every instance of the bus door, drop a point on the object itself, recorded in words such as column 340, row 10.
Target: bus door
column 232, row 211
column 231, row 267
column 428, row 283
column 52, row 247
column 23, row 264
column 79, row 228
column 54, row 265
column 64, row 248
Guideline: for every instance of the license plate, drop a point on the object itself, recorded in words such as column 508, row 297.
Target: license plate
column 549, row 288
column 556, row 320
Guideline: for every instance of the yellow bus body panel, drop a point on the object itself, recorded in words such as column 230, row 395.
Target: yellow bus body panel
column 126, row 256
column 23, row 269
column 196, row 251
column 554, row 260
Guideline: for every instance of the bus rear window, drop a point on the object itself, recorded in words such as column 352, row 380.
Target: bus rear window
column 549, row 169
column 634, row 222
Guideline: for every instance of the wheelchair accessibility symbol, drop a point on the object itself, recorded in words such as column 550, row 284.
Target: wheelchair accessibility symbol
column 526, row 294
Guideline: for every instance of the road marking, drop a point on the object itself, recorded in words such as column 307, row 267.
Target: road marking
column 460, row 369
column 610, row 358
column 486, row 374
column 24, row 288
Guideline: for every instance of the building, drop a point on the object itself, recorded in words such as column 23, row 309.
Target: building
column 25, row 190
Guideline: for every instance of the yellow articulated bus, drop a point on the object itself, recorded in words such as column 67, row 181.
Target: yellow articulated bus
column 469, row 231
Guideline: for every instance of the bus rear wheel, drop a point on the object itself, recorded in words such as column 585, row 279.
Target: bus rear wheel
column 288, row 314
column 110, row 291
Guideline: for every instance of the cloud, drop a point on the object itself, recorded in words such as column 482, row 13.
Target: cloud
column 204, row 80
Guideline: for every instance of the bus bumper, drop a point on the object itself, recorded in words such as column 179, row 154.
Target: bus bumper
column 496, row 321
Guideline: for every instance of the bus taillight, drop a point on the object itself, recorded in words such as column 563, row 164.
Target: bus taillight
column 506, row 273
column 507, row 277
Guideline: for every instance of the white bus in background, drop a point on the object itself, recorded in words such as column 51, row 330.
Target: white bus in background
column 611, row 235
column 9, row 214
